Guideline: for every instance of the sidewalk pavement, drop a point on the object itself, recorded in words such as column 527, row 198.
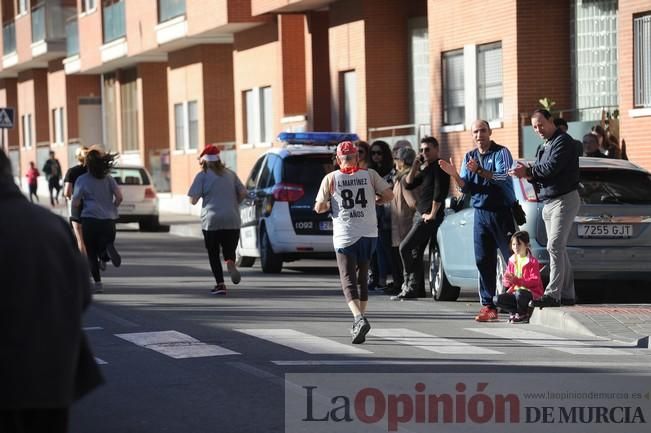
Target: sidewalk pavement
column 182, row 225
column 626, row 323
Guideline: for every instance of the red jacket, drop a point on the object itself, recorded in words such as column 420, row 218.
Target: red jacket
column 530, row 279
column 32, row 176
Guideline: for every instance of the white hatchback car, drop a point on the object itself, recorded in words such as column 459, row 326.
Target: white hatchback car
column 140, row 202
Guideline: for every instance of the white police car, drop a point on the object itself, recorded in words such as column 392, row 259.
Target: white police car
column 278, row 220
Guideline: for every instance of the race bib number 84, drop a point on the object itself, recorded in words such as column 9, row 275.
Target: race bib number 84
column 347, row 201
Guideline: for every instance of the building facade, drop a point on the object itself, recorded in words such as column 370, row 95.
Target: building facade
column 156, row 80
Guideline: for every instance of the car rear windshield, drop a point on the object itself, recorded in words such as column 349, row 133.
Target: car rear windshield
column 307, row 170
column 599, row 186
column 130, row 176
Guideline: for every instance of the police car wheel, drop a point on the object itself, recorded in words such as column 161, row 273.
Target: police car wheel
column 270, row 262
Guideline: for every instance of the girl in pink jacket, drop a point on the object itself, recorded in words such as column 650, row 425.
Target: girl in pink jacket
column 522, row 280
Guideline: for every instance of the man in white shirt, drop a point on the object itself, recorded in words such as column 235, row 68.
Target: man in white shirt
column 351, row 194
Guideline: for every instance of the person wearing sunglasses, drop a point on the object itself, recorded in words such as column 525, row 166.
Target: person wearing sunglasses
column 381, row 266
column 485, row 176
column 434, row 185
column 363, row 154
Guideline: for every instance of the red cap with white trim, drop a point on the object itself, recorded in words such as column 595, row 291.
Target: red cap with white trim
column 210, row 153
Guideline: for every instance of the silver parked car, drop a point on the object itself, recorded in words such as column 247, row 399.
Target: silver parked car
column 610, row 238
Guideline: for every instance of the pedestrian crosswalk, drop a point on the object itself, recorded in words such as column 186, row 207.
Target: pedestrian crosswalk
column 175, row 344
column 431, row 343
column 491, row 342
column 535, row 338
column 303, row 342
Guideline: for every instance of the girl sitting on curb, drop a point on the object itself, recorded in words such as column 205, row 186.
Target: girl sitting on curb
column 522, row 280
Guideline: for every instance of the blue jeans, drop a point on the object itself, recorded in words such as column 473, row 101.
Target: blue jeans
column 492, row 232
column 381, row 262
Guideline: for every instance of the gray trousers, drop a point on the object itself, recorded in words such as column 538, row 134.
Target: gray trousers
column 558, row 214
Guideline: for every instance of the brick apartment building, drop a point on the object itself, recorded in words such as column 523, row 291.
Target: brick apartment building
column 157, row 79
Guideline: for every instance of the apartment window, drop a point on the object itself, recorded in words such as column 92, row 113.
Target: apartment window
column 113, row 20
column 87, row 5
column 249, row 116
column 179, row 126
column 109, row 102
column 72, row 37
column 168, row 9
column 129, row 108
column 593, row 49
column 258, row 115
column 642, row 60
column 26, row 120
column 9, row 37
column 23, row 6
column 419, row 83
column 186, row 125
column 193, row 125
column 57, row 122
column 489, row 81
column 38, row 23
column 349, row 101
column 266, row 115
column 453, row 88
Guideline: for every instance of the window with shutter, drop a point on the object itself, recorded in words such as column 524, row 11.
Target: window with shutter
column 453, row 88
column 489, row 81
column 642, row 60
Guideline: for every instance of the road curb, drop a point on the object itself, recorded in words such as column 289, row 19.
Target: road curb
column 564, row 320
column 186, row 230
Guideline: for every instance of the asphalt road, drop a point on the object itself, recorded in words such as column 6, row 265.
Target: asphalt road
column 177, row 359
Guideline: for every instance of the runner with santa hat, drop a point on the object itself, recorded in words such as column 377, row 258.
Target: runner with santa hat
column 221, row 192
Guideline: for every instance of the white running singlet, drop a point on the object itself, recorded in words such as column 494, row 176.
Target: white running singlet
column 353, row 208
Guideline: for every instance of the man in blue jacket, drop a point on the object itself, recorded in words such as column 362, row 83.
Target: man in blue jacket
column 555, row 175
column 484, row 175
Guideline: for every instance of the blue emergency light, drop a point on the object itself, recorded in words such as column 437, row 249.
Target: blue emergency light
column 316, row 138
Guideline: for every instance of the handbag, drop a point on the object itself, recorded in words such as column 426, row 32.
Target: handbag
column 519, row 215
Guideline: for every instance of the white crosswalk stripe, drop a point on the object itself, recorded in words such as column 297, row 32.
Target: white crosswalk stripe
column 549, row 341
column 304, row 342
column 431, row 343
column 175, row 344
column 179, row 346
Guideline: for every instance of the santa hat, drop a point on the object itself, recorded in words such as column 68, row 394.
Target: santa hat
column 210, row 153
column 346, row 148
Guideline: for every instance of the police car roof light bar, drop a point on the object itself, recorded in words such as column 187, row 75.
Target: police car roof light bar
column 316, row 138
